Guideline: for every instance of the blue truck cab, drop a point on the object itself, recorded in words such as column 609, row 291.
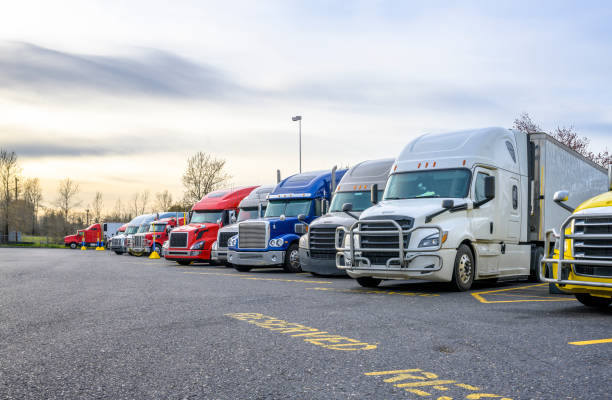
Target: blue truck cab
column 293, row 204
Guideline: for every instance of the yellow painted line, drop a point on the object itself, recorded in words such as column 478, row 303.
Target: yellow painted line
column 478, row 296
column 254, row 278
column 369, row 291
column 587, row 342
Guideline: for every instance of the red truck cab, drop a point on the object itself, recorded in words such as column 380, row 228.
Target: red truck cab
column 194, row 241
column 91, row 235
column 160, row 229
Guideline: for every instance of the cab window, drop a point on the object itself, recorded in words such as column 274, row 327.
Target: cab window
column 479, row 187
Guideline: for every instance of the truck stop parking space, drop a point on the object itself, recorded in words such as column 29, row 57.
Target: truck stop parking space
column 86, row 324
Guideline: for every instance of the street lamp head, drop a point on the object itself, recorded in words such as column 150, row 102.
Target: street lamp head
column 296, row 118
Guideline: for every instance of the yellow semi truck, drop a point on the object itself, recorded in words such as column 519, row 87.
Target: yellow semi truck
column 581, row 262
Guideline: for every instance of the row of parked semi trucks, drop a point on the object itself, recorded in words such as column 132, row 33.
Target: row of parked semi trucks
column 455, row 207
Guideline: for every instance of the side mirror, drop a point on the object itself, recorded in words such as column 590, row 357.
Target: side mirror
column 347, row 207
column 374, row 194
column 301, row 218
column 325, row 207
column 233, row 219
column 219, row 221
column 448, row 204
column 610, row 176
column 561, row 195
column 489, row 187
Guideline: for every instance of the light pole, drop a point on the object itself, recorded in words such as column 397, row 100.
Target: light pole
column 87, row 218
column 299, row 119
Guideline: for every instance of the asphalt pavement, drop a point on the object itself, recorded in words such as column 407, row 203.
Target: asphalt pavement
column 93, row 325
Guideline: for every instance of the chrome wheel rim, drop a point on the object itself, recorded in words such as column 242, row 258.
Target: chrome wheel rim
column 294, row 258
column 465, row 269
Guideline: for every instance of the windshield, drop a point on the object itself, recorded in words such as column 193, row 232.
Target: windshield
column 131, row 230
column 359, row 200
column 453, row 183
column 247, row 213
column 207, row 216
column 157, row 228
column 143, row 228
column 288, row 208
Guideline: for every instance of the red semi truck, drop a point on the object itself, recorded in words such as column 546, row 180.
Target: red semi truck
column 92, row 234
column 193, row 242
column 160, row 228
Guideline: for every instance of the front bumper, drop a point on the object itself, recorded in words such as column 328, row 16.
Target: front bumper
column 317, row 265
column 256, row 258
column 119, row 248
column 219, row 254
column 186, row 254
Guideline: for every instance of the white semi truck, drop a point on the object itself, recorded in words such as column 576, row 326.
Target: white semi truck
column 467, row 205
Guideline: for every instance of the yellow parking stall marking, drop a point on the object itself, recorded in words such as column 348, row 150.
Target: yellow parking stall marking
column 255, row 278
column 310, row 335
column 530, row 298
column 369, row 291
column 587, row 342
column 423, row 383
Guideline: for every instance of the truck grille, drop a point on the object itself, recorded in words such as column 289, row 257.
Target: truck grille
column 252, row 235
column 385, row 241
column 595, row 249
column 322, row 242
column 138, row 242
column 117, row 242
column 224, row 237
column 178, row 239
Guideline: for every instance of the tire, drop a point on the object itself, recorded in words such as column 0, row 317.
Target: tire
column 228, row 265
column 118, row 252
column 73, row 245
column 593, row 301
column 463, row 272
column 242, row 268
column 533, row 272
column 158, row 248
column 366, row 281
column 183, row 262
column 292, row 259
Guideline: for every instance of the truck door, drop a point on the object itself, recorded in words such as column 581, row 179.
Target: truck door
column 512, row 203
column 483, row 223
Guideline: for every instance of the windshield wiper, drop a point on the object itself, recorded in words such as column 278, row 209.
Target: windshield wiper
column 429, row 196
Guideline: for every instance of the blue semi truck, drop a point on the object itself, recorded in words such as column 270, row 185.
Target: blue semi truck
column 293, row 204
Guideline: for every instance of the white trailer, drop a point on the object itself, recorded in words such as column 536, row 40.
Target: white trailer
column 468, row 205
column 109, row 229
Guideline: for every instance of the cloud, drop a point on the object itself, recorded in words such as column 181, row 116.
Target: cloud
column 148, row 73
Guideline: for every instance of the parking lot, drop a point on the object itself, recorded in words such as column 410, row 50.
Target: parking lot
column 87, row 324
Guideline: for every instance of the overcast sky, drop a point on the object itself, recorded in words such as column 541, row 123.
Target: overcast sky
column 117, row 94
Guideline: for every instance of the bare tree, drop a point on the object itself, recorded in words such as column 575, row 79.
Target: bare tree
column 134, row 204
column 66, row 199
column 32, row 194
column 566, row 135
column 144, row 201
column 9, row 169
column 204, row 174
column 97, row 207
column 164, row 200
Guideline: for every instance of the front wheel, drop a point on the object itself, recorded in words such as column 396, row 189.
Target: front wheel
column 118, row 252
column 183, row 262
column 242, row 268
column 593, row 301
column 73, row 245
column 158, row 248
column 463, row 273
column 366, row 281
column 292, row 259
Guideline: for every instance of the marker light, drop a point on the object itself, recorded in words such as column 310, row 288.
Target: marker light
column 427, row 164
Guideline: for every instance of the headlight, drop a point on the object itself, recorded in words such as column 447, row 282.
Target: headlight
column 198, row 246
column 304, row 241
column 232, row 241
column 433, row 240
column 276, row 242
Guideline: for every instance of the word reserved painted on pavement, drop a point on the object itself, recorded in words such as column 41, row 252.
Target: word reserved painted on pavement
column 422, row 383
column 308, row 334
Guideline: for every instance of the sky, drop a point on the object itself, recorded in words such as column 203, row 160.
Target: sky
column 116, row 95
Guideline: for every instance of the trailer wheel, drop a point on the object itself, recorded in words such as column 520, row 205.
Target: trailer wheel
column 242, row 268
column 593, row 301
column 183, row 262
column 463, row 273
column 366, row 281
column 73, row 245
column 292, row 259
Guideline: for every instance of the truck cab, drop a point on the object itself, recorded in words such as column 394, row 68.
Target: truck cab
column 117, row 242
column 467, row 205
column 251, row 207
column 193, row 242
column 138, row 243
column 159, row 231
column 292, row 205
column 581, row 262
column 90, row 236
column 353, row 195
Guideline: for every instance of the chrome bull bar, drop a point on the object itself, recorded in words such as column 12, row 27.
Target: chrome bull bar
column 405, row 254
column 563, row 264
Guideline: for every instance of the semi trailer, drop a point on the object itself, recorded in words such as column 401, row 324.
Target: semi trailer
column 92, row 235
column 467, row 205
column 251, row 207
column 317, row 246
column 292, row 205
column 581, row 261
column 193, row 242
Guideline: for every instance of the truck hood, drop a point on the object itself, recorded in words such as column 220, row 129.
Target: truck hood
column 193, row 227
column 602, row 200
column 334, row 219
column 413, row 208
